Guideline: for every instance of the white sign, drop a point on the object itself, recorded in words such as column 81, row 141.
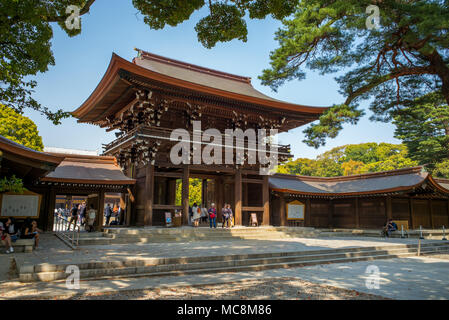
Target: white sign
column 20, row 205
column 295, row 211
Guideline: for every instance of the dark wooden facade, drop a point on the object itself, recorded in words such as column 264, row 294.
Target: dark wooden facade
column 406, row 194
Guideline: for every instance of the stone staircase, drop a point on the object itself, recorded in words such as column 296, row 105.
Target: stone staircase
column 429, row 234
column 152, row 267
column 189, row 234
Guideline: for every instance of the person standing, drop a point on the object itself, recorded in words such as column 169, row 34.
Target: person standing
column 82, row 213
column 91, row 216
column 203, row 213
column 225, row 214
column 213, row 216
column 196, row 215
column 73, row 216
column 108, row 213
column 231, row 216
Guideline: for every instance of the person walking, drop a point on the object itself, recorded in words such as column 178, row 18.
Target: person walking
column 213, row 216
column 73, row 216
column 108, row 213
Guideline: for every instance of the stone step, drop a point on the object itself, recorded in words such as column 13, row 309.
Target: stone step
column 177, row 266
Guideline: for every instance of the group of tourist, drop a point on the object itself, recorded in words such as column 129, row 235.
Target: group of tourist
column 85, row 217
column 10, row 232
column 200, row 214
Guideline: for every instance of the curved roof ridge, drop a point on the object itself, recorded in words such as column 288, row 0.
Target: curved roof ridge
column 191, row 66
column 395, row 172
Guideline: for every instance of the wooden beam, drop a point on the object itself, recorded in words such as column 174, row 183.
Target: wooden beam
column 168, row 174
column 238, row 196
column 185, row 195
column 266, row 201
column 100, row 219
column 253, row 209
column 149, row 195
column 166, row 207
column 246, row 180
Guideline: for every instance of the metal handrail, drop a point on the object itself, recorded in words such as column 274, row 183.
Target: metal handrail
column 70, row 237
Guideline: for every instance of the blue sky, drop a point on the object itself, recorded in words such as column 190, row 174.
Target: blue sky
column 116, row 26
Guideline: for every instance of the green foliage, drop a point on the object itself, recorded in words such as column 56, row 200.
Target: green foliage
column 12, row 184
column 352, row 159
column 424, row 128
column 20, row 129
column 26, row 33
column 406, row 58
column 195, row 189
column 442, row 169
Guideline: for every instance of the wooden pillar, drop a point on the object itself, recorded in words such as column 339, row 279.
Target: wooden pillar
column 431, row 213
column 331, row 213
column 238, row 197
column 204, row 193
column 410, row 204
column 307, row 214
column 185, row 195
column 357, row 214
column 124, row 208
column 100, row 215
column 171, row 196
column 149, row 195
column 389, row 208
column 51, row 203
column 219, row 196
column 266, row 201
column 282, row 210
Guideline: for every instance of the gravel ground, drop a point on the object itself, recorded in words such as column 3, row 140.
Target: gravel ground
column 277, row 289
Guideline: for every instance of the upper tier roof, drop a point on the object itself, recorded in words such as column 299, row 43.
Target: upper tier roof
column 111, row 94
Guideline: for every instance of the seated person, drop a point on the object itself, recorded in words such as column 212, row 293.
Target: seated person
column 5, row 238
column 31, row 231
column 389, row 227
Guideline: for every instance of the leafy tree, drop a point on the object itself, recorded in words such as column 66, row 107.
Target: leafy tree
column 352, row 159
column 12, row 184
column 195, row 188
column 20, row 129
column 424, row 129
column 26, row 33
column 441, row 169
column 405, row 58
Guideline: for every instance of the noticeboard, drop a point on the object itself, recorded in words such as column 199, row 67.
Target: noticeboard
column 26, row 205
column 295, row 210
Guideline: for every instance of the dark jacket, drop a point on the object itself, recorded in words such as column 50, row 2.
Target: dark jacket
column 108, row 211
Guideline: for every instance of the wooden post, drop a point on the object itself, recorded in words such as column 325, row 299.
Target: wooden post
column 100, row 215
column 410, row 203
column 149, row 195
column 185, row 195
column 266, row 201
column 331, row 213
column 51, row 201
column 219, row 195
column 307, row 214
column 282, row 208
column 204, row 192
column 124, row 208
column 431, row 213
column 357, row 215
column 238, row 197
column 389, row 208
column 171, row 186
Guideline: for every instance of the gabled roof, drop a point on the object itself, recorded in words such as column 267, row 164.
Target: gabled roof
column 362, row 184
column 111, row 93
column 89, row 170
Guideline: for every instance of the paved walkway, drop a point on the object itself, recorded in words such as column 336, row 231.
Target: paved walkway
column 405, row 278
column 55, row 252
